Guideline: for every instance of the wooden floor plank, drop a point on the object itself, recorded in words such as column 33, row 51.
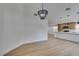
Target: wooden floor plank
column 52, row 47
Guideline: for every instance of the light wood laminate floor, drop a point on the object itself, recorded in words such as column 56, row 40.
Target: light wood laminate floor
column 52, row 47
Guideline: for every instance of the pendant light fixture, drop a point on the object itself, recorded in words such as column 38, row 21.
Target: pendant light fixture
column 42, row 13
column 68, row 12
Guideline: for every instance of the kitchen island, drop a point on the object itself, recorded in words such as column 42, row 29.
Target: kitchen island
column 71, row 36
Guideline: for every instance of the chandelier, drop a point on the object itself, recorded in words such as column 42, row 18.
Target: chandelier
column 42, row 13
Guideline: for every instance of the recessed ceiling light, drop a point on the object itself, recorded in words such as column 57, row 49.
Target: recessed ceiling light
column 35, row 14
column 60, row 17
column 68, row 15
column 67, row 9
column 77, row 12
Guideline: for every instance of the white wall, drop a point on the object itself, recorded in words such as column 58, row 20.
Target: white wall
column 20, row 26
column 52, row 29
column 77, row 28
column 1, row 27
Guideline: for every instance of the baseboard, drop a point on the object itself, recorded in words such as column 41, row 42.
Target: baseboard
column 5, row 52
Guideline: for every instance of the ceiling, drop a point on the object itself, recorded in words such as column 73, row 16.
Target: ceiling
column 55, row 11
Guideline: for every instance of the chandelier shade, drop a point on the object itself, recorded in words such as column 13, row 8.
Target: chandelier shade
column 42, row 14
